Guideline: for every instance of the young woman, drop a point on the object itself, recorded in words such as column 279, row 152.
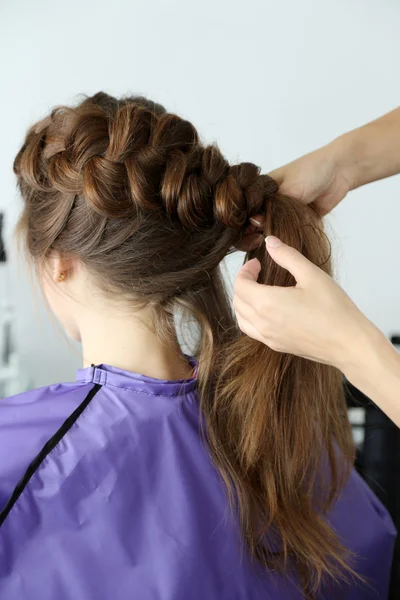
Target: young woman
column 158, row 476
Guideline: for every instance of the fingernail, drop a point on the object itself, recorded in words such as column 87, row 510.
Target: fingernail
column 255, row 222
column 273, row 242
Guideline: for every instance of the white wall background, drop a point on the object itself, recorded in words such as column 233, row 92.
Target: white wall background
column 269, row 80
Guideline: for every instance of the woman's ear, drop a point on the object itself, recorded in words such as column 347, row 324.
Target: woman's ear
column 61, row 268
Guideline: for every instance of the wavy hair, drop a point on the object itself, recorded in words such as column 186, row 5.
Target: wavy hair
column 130, row 190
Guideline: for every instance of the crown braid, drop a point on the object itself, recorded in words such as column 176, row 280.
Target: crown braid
column 130, row 155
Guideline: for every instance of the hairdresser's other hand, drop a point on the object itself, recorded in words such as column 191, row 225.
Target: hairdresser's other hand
column 315, row 319
column 316, row 177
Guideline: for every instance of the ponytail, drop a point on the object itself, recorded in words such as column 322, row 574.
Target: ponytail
column 277, row 427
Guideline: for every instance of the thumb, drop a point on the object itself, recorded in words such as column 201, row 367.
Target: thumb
column 250, row 270
column 290, row 259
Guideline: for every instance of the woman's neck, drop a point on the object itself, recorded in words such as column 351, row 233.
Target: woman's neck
column 129, row 344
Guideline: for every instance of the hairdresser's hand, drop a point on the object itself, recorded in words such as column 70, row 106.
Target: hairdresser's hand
column 316, row 177
column 323, row 177
column 315, row 319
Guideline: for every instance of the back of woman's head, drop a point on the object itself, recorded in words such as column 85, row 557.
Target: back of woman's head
column 129, row 190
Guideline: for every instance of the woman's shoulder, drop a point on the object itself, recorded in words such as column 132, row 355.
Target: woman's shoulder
column 44, row 405
column 27, row 421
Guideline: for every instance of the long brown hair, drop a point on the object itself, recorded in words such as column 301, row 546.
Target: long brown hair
column 129, row 190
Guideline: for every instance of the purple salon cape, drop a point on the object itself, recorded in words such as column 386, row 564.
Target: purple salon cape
column 107, row 492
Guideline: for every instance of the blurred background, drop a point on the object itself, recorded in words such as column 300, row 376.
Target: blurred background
column 268, row 80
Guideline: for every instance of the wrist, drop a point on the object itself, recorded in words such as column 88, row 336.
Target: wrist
column 367, row 358
column 345, row 154
column 375, row 371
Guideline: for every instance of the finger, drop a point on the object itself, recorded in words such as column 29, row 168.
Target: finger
column 264, row 314
column 244, row 310
column 249, row 290
column 256, row 294
column 250, row 270
column 249, row 329
column 291, row 260
column 246, row 285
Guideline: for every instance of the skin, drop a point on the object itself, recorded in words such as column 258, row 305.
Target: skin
column 109, row 332
column 316, row 319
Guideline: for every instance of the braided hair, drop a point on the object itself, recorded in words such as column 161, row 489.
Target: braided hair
column 129, row 190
